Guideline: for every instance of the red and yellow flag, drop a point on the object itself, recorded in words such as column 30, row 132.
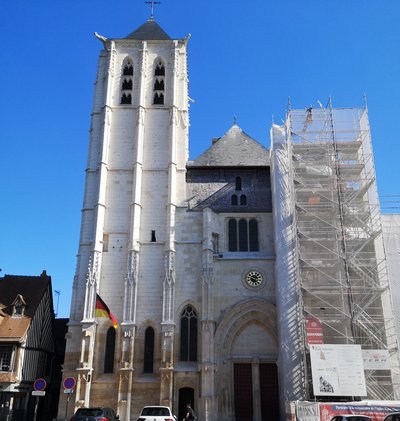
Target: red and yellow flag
column 102, row 310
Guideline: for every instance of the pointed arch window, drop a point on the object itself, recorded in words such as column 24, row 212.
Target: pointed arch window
column 159, row 83
column 148, row 350
column 243, row 235
column 127, row 82
column 188, row 335
column 110, row 351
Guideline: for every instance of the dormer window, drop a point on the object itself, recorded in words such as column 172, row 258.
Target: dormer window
column 19, row 305
column 238, row 183
column 159, row 83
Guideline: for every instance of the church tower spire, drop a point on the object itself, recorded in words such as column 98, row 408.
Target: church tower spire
column 135, row 181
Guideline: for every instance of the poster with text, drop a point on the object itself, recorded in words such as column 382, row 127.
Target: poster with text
column 337, row 370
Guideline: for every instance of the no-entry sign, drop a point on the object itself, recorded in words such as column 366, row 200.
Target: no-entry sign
column 69, row 383
column 39, row 384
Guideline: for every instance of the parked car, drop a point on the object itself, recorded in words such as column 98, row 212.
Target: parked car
column 156, row 413
column 394, row 416
column 351, row 417
column 94, row 414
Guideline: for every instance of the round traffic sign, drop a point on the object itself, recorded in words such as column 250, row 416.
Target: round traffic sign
column 39, row 384
column 69, row 383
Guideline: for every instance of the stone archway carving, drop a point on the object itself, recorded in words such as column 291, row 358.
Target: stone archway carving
column 239, row 318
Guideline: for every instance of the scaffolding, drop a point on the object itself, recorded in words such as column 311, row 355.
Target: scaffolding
column 341, row 266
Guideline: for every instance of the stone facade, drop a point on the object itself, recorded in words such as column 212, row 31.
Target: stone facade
column 154, row 245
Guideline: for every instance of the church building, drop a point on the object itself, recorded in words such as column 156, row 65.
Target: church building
column 211, row 269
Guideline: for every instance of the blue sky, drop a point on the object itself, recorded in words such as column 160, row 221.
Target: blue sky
column 245, row 58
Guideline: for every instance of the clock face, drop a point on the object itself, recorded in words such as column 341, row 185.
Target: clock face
column 254, row 278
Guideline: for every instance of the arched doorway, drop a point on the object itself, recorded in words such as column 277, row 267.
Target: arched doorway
column 247, row 351
column 186, row 394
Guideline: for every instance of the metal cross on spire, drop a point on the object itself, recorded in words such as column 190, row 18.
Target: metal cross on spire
column 152, row 3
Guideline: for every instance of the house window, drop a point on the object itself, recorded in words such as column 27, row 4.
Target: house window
column 148, row 350
column 127, row 82
column 215, row 242
column 110, row 351
column 243, row 200
column 6, row 353
column 188, row 335
column 234, row 200
column 243, row 235
column 159, row 83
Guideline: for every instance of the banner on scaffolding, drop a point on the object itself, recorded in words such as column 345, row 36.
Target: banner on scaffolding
column 376, row 359
column 337, row 370
column 375, row 412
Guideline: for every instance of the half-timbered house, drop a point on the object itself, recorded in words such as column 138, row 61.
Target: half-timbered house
column 26, row 346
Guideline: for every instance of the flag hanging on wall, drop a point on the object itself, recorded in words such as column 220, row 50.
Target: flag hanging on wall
column 102, row 310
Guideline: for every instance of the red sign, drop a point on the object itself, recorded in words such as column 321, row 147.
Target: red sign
column 314, row 331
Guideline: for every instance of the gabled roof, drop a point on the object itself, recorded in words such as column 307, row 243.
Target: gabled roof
column 234, row 148
column 32, row 288
column 150, row 30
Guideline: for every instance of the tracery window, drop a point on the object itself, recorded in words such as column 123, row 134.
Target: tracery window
column 127, row 81
column 243, row 235
column 148, row 350
column 110, row 351
column 188, row 335
column 159, row 83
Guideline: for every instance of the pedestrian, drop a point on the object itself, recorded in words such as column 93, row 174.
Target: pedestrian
column 190, row 414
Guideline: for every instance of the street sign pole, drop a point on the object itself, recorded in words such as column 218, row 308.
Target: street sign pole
column 39, row 385
column 69, row 384
column 36, row 408
column 66, row 407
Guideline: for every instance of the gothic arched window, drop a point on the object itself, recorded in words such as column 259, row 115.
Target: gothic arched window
column 159, row 83
column 234, row 200
column 253, row 235
column 232, row 234
column 188, row 334
column 243, row 235
column 127, row 81
column 110, row 351
column 148, row 350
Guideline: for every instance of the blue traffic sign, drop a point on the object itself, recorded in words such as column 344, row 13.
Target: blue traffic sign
column 39, row 384
column 69, row 383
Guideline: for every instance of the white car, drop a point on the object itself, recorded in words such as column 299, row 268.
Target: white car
column 156, row 413
column 350, row 417
column 395, row 416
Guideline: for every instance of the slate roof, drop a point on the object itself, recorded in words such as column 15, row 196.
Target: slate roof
column 150, row 30
column 32, row 288
column 234, row 148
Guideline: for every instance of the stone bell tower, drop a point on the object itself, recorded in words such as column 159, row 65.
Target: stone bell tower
column 135, row 180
